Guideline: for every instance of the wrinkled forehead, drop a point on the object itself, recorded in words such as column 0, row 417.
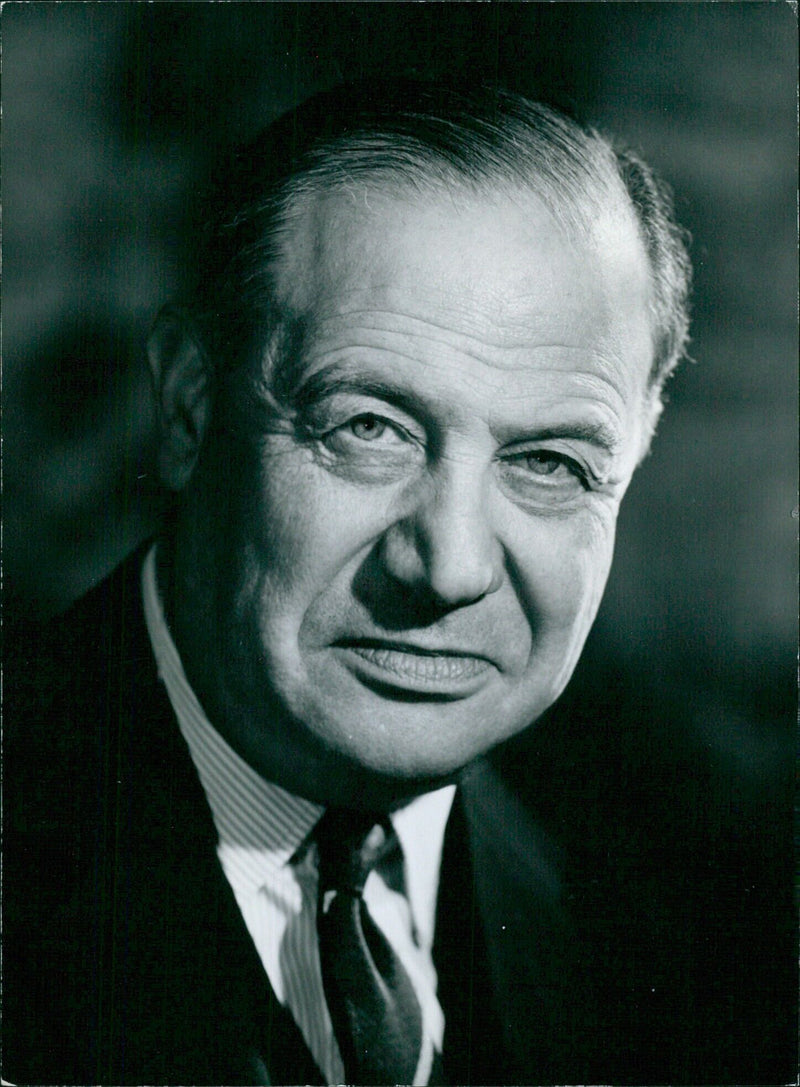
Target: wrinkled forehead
column 458, row 247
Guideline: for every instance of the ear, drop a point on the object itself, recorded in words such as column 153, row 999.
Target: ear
column 181, row 373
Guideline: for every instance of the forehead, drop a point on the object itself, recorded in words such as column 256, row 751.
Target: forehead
column 496, row 269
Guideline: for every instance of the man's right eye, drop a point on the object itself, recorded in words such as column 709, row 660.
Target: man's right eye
column 367, row 428
column 352, row 436
column 369, row 447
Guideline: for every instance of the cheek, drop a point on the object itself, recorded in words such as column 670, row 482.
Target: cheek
column 564, row 569
column 309, row 527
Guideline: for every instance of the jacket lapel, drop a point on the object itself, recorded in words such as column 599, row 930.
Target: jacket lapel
column 472, row 1049
column 506, row 952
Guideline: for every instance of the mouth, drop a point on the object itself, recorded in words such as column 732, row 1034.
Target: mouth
column 411, row 669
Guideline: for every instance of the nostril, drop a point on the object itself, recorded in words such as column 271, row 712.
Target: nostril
column 392, row 603
column 461, row 582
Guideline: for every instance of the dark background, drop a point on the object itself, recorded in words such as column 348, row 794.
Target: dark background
column 112, row 113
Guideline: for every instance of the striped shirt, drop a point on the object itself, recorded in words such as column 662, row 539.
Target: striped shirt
column 261, row 828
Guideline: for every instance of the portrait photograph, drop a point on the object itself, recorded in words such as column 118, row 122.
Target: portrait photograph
column 399, row 543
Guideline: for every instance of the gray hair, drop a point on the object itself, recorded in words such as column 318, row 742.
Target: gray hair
column 423, row 135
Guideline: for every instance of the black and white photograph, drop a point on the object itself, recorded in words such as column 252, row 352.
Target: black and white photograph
column 399, row 543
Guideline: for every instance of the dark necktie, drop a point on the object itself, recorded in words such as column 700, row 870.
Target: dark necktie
column 374, row 1009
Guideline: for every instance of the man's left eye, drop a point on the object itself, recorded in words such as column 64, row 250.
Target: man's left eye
column 368, row 427
column 543, row 462
column 536, row 472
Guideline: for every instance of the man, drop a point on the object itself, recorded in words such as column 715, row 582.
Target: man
column 399, row 413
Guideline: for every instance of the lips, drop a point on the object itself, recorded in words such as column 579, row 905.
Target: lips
column 413, row 667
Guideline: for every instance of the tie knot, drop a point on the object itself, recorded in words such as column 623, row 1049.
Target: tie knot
column 352, row 843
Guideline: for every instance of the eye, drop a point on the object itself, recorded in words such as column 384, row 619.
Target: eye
column 551, row 465
column 545, row 475
column 368, row 427
column 367, row 435
column 368, row 448
column 543, row 463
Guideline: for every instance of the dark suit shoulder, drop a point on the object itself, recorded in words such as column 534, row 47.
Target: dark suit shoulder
column 81, row 707
column 126, row 960
column 665, row 948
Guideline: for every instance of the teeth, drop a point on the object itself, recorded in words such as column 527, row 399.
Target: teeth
column 427, row 667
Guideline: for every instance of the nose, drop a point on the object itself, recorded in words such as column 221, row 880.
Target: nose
column 445, row 546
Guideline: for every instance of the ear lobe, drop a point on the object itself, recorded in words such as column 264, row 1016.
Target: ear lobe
column 181, row 373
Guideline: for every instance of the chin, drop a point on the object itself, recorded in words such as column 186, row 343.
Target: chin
column 415, row 746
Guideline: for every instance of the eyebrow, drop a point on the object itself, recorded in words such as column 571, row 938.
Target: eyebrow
column 329, row 382
column 582, row 430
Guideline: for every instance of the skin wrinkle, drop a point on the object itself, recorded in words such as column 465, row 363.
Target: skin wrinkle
column 450, row 338
column 478, row 353
column 311, row 544
column 455, row 335
column 455, row 341
column 480, row 349
column 327, row 380
column 602, row 432
column 606, row 233
column 444, row 450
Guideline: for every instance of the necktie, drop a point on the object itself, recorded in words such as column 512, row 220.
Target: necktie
column 374, row 1009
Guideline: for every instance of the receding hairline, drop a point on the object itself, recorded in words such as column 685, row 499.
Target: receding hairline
column 310, row 221
column 424, row 138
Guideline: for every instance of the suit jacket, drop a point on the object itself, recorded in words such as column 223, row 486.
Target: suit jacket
column 580, row 936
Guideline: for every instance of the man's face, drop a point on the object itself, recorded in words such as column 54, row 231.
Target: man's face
column 402, row 573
